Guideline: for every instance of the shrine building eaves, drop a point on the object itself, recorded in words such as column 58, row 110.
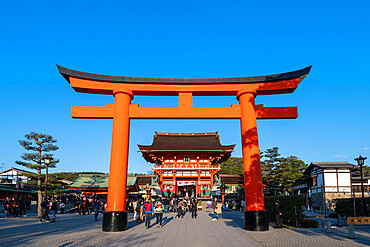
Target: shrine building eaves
column 186, row 142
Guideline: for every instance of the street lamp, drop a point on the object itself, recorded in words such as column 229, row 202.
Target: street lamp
column 47, row 160
column 360, row 161
column 222, row 190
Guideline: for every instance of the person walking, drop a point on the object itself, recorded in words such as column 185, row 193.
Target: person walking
column 81, row 207
column 44, row 210
column 158, row 209
column 22, row 208
column 242, row 206
column 175, row 205
column 219, row 210
column 137, row 211
column 141, row 215
column 149, row 211
column 134, row 206
column 180, row 209
column 7, row 207
column 54, row 208
column 14, row 204
column 278, row 211
column 214, row 205
column 96, row 207
column 28, row 204
column 87, row 206
column 194, row 209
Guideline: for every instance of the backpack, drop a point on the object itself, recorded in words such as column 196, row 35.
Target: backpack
column 158, row 208
column 148, row 206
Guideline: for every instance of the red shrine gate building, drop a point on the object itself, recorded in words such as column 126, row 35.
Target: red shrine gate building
column 186, row 162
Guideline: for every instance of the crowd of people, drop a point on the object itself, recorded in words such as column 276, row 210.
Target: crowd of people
column 81, row 205
column 15, row 208
column 142, row 210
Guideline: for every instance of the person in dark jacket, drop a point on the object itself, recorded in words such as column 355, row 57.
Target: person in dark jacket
column 180, row 208
column 54, row 208
column 14, row 205
column 96, row 207
column 22, row 207
column 278, row 211
column 44, row 210
column 194, row 209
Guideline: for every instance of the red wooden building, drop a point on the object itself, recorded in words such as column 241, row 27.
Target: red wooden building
column 186, row 162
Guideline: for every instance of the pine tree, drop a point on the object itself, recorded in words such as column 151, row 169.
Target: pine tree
column 280, row 173
column 39, row 144
column 232, row 165
column 269, row 170
column 290, row 170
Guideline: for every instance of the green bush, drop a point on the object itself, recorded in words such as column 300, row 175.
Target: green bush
column 306, row 223
column 292, row 206
column 344, row 206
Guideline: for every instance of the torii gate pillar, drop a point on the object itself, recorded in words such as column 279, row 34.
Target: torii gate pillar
column 115, row 219
column 124, row 88
column 255, row 217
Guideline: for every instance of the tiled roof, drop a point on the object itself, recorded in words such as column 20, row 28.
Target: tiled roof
column 18, row 170
column 186, row 141
column 329, row 165
column 98, row 181
column 333, row 164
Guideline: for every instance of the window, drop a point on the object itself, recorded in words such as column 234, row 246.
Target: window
column 314, row 180
column 186, row 159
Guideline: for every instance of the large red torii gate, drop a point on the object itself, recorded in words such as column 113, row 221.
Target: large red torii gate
column 124, row 88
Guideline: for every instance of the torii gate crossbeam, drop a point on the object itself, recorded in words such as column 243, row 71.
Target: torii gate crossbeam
column 124, row 88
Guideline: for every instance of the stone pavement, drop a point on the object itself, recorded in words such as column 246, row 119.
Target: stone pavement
column 82, row 230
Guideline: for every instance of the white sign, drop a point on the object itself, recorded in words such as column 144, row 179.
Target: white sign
column 184, row 183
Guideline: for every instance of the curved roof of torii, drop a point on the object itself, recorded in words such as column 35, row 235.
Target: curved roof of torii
column 67, row 73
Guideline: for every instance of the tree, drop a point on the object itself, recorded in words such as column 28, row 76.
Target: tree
column 39, row 144
column 269, row 169
column 233, row 165
column 290, row 170
column 365, row 171
column 280, row 173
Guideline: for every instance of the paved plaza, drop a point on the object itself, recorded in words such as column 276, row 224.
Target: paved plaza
column 82, row 230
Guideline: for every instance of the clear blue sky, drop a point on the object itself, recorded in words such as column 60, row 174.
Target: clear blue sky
column 185, row 39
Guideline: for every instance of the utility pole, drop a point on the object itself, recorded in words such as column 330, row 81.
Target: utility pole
column 323, row 207
column 354, row 203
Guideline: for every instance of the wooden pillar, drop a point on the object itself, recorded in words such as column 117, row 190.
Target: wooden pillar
column 211, row 180
column 251, row 154
column 161, row 179
column 198, row 182
column 174, row 187
column 119, row 152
